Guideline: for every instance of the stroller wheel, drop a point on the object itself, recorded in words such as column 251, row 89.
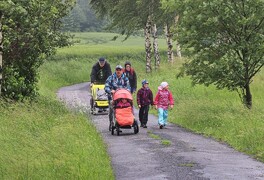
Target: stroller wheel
column 136, row 129
column 113, row 130
column 117, row 130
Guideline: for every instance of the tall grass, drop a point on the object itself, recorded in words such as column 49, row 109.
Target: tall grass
column 42, row 140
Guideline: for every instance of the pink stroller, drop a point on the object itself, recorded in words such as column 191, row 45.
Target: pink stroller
column 123, row 115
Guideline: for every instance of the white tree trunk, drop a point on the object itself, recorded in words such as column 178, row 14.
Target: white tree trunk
column 155, row 46
column 148, row 45
column 178, row 50
column 169, row 35
column 178, row 47
column 1, row 52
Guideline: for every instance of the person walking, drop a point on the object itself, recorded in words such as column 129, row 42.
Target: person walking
column 101, row 70
column 131, row 75
column 115, row 81
column 163, row 100
column 144, row 99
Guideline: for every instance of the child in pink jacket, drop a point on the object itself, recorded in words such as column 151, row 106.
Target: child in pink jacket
column 162, row 102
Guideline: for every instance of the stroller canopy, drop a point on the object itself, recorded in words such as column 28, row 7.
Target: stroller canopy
column 122, row 93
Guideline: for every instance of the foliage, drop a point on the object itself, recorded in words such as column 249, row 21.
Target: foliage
column 31, row 31
column 128, row 16
column 226, row 39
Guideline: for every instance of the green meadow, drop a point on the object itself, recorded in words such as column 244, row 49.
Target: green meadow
column 44, row 139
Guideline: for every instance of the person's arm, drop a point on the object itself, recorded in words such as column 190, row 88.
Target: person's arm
column 127, row 83
column 93, row 74
column 108, row 85
column 135, row 80
column 151, row 97
column 138, row 98
column 156, row 101
column 108, row 69
column 171, row 100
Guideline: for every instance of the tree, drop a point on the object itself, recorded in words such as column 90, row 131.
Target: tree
column 31, row 31
column 226, row 41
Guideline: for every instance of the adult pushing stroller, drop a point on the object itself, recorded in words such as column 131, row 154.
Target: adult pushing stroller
column 122, row 112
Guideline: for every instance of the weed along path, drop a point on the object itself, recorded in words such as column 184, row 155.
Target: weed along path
column 171, row 153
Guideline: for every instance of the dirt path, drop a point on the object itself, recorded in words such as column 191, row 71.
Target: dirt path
column 189, row 157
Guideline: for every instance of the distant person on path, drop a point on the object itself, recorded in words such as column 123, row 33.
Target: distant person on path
column 163, row 101
column 100, row 72
column 131, row 75
column 144, row 99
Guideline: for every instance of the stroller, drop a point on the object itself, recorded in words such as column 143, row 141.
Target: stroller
column 99, row 100
column 122, row 112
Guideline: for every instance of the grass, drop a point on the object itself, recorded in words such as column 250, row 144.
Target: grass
column 164, row 142
column 43, row 139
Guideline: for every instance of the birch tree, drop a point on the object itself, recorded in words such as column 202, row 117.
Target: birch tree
column 169, row 35
column 130, row 16
column 170, row 19
column 178, row 47
column 148, row 45
column 155, row 46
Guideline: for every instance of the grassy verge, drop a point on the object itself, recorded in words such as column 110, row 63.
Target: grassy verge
column 43, row 140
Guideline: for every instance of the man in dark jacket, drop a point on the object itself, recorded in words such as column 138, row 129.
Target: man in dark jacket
column 100, row 71
column 131, row 75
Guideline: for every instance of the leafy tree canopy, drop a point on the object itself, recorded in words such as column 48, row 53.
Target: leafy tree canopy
column 31, row 31
column 226, row 41
column 128, row 16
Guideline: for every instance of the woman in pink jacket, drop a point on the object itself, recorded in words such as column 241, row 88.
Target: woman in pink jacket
column 163, row 101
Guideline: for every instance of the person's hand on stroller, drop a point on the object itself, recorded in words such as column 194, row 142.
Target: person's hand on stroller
column 133, row 90
column 113, row 92
column 139, row 106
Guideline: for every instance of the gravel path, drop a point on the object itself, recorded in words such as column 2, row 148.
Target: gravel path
column 188, row 157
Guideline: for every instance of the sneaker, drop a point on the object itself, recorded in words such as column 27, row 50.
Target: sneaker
column 161, row 126
column 145, row 126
